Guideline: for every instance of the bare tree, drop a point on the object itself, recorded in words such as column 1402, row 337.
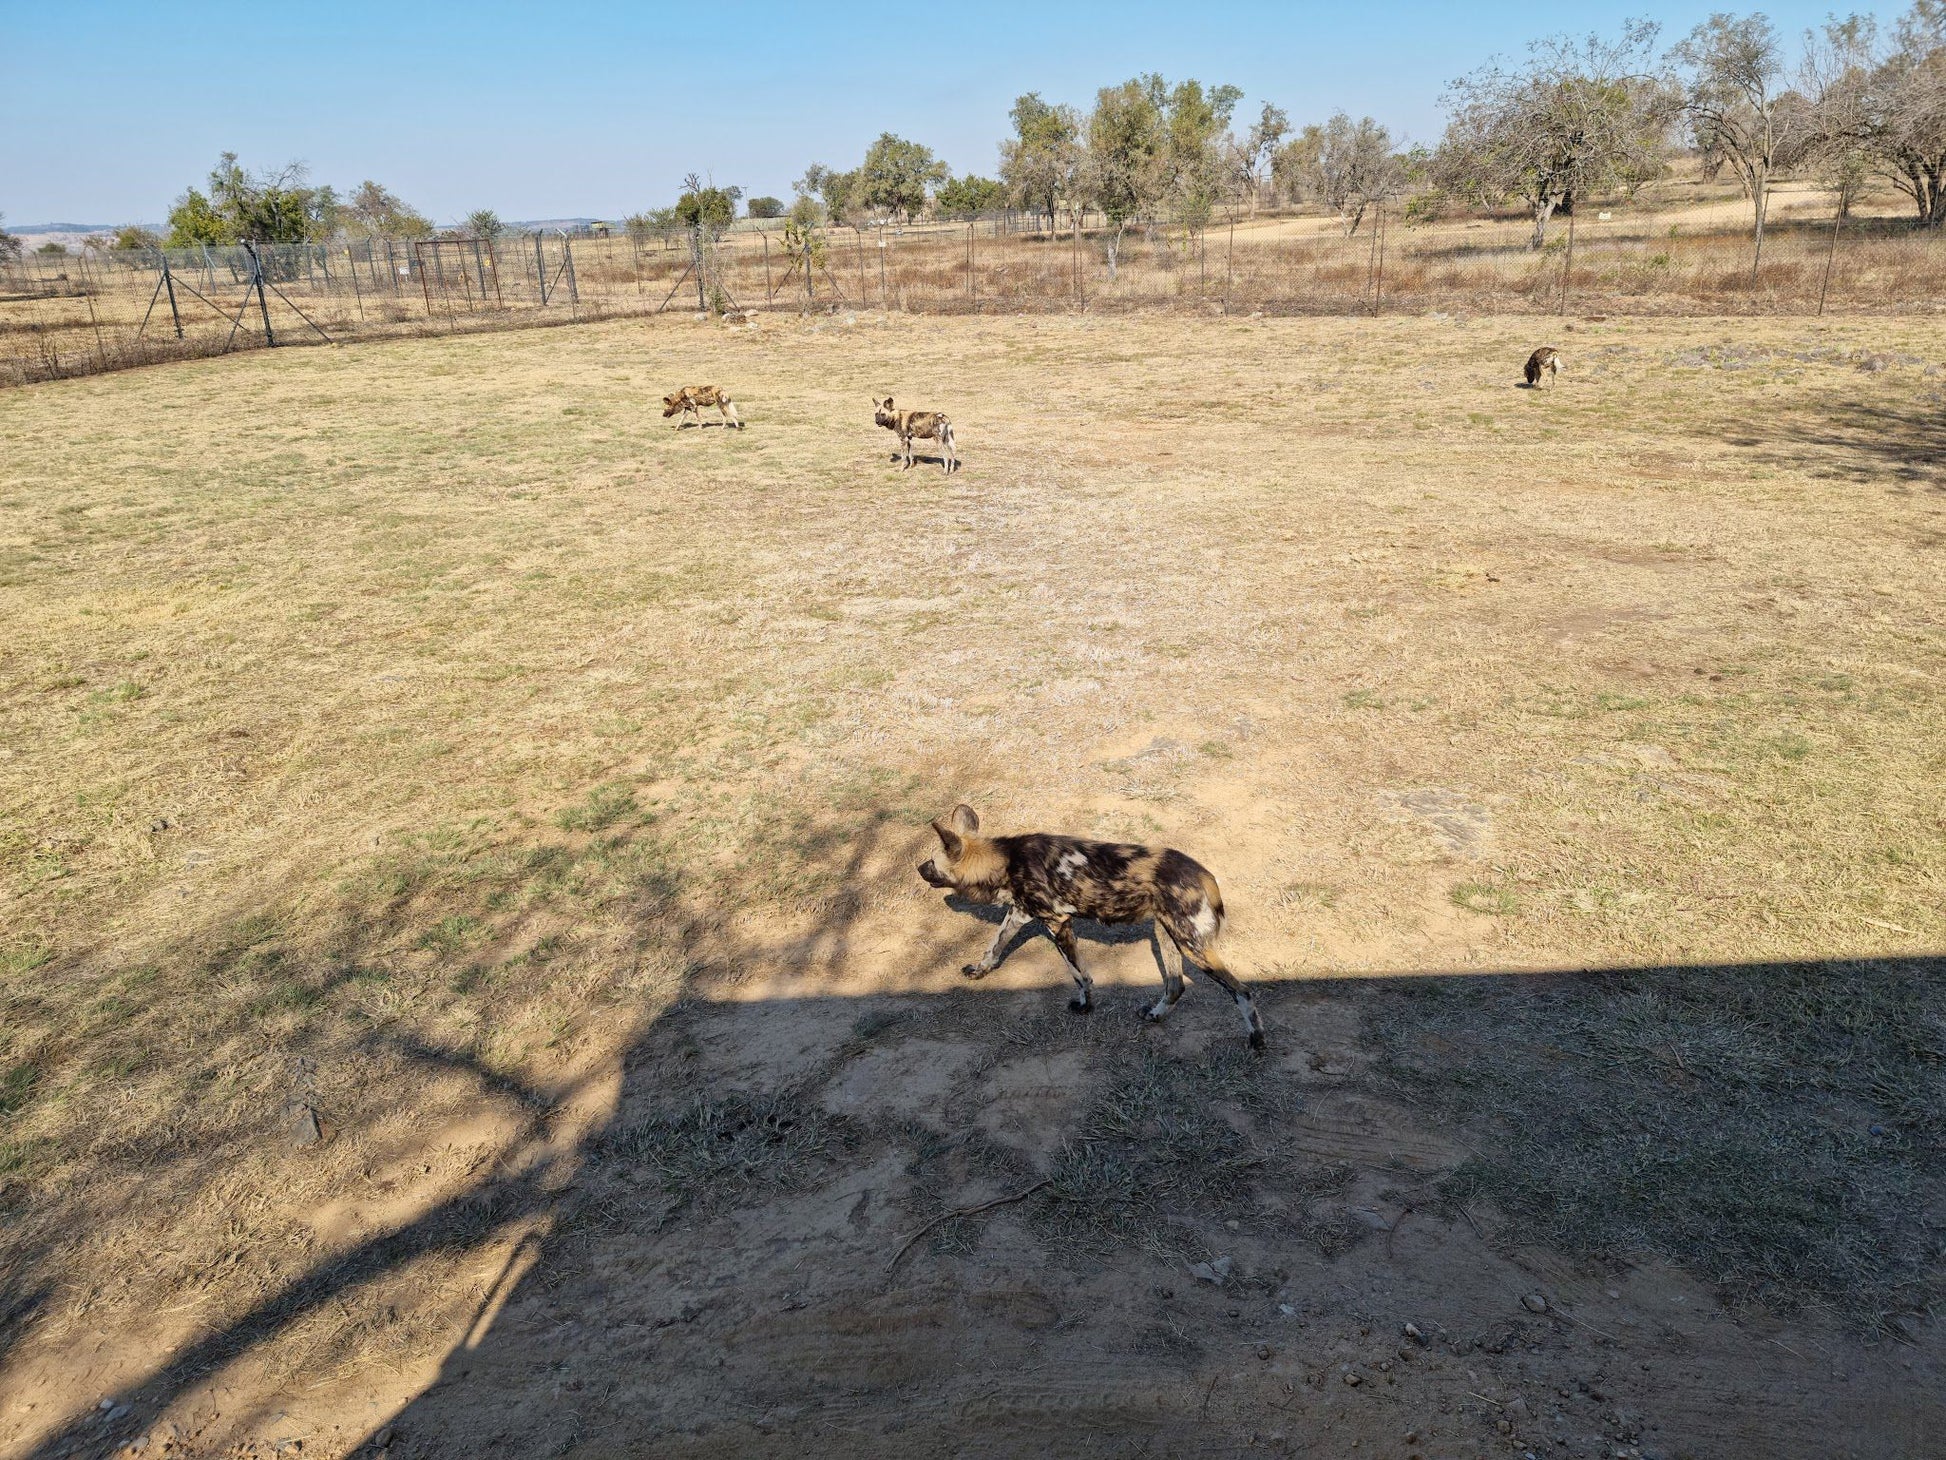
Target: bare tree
column 1041, row 163
column 1577, row 117
column 1737, row 103
column 1345, row 165
column 1884, row 106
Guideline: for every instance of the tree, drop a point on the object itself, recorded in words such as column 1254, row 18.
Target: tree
column 1041, row 163
column 1252, row 157
column 834, row 191
column 268, row 207
column 1884, row 108
column 969, row 196
column 1195, row 122
column 896, row 176
column 377, row 212
column 765, row 207
column 485, row 225
column 10, row 246
column 1345, row 165
column 1736, row 103
column 1574, row 119
column 706, row 210
column 50, row 248
column 1127, row 166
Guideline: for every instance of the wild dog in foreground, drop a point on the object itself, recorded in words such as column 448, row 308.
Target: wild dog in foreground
column 1546, row 359
column 694, row 398
column 1059, row 878
column 909, row 426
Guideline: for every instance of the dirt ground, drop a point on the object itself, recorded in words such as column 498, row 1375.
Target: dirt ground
column 465, row 989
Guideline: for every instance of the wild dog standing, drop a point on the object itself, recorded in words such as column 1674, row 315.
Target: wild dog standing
column 1059, row 878
column 692, row 398
column 1546, row 359
column 917, row 425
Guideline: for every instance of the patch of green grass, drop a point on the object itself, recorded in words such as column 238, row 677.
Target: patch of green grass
column 1363, row 699
column 605, row 806
column 17, row 1086
column 1484, row 897
column 454, row 934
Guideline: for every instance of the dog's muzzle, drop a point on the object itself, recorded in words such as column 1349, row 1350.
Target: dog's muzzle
column 932, row 878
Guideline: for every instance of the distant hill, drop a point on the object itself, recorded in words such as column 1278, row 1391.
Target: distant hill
column 25, row 229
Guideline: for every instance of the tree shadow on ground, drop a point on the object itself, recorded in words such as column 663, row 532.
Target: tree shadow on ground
column 708, row 1270
column 1897, row 444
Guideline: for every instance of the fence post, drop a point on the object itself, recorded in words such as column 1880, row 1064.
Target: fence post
column 765, row 237
column 1830, row 253
column 419, row 267
column 1230, row 264
column 1378, row 278
column 567, row 250
column 540, row 267
column 358, row 294
column 1567, row 266
column 169, row 282
column 972, row 284
column 257, row 278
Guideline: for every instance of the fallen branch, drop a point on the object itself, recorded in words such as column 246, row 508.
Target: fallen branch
column 985, row 1206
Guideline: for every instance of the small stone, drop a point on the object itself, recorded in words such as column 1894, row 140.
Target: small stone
column 1287, row 1310
column 1264, row 1351
column 1234, row 1225
column 304, row 1127
column 1615, row 1295
column 1534, row 1303
column 1354, row 1380
column 383, row 1439
column 108, row 1403
column 1413, row 1332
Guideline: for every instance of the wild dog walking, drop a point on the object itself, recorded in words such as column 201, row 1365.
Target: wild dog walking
column 1059, row 878
column 692, row 398
column 1546, row 359
column 909, row 426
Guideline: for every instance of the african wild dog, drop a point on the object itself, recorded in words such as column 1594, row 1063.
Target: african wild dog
column 1546, row 359
column 1059, row 878
column 694, row 398
column 917, row 425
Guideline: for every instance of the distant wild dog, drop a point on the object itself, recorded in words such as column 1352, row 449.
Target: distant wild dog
column 1546, row 359
column 909, row 426
column 1059, row 878
column 692, row 398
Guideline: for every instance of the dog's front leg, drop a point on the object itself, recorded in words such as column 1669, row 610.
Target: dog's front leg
column 1062, row 932
column 1013, row 923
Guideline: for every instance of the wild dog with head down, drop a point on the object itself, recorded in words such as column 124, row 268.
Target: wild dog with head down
column 692, row 398
column 909, row 426
column 1056, row 879
column 1546, row 360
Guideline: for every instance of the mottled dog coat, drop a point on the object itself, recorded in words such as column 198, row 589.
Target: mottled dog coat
column 909, row 426
column 1059, row 878
column 692, row 398
column 1546, row 360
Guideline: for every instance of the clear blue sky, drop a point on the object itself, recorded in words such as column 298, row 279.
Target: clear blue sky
column 108, row 110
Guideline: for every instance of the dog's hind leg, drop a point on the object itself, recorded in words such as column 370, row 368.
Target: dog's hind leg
column 1169, row 958
column 1013, row 923
column 1061, row 930
column 1197, row 945
column 948, row 453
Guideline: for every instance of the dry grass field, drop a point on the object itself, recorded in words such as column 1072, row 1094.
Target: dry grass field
column 464, row 989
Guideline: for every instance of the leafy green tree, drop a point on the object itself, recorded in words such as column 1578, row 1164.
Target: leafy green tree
column 485, row 225
column 969, row 196
column 765, row 207
column 52, row 248
column 897, row 175
column 1345, row 165
column 9, row 243
column 272, row 207
column 377, row 212
column 1196, row 122
column 1127, row 155
column 835, row 192
column 1041, row 163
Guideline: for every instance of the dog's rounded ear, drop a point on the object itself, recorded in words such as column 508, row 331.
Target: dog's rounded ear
column 888, row 403
column 948, row 838
column 964, row 820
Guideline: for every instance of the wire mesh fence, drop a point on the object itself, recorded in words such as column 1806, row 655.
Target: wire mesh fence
column 76, row 314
